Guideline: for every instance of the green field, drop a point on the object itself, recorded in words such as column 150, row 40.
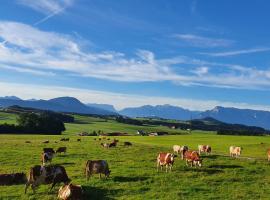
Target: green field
column 133, row 168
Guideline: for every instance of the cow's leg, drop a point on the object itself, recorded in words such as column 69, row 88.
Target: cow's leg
column 26, row 187
column 166, row 168
column 99, row 175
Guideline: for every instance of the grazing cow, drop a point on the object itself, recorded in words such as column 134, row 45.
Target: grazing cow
column 113, row 144
column 48, row 150
column 46, row 141
column 108, row 139
column 166, row 159
column 235, row 151
column 205, row 149
column 78, row 140
column 70, row 192
column 64, row 139
column 97, row 167
column 105, row 145
column 61, row 150
column 176, row 149
column 13, row 179
column 268, row 154
column 27, row 141
column 46, row 157
column 192, row 158
column 182, row 150
column 95, row 138
column 127, row 144
column 50, row 174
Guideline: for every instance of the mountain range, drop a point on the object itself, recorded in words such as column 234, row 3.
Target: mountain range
column 72, row 105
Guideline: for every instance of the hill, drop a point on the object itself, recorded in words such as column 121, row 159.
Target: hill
column 106, row 107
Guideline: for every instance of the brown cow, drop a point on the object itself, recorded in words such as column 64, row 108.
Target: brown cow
column 61, row 150
column 97, row 167
column 46, row 175
column 166, row 159
column 205, row 149
column 127, row 144
column 70, row 192
column 268, row 154
column 46, row 141
column 46, row 157
column 13, row 179
column 192, row 158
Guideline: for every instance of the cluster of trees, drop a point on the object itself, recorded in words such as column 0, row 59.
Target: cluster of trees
column 35, row 123
column 127, row 120
column 240, row 132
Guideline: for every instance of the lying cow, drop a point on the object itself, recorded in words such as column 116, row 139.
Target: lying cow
column 204, row 149
column 127, row 144
column 61, row 150
column 165, row 159
column 51, row 174
column 13, row 179
column 48, row 150
column 46, row 157
column 235, row 151
column 97, row 167
column 192, row 158
column 70, row 192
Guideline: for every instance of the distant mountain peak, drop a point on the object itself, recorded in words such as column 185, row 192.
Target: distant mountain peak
column 10, row 97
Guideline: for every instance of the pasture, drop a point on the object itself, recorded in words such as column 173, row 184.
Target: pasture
column 133, row 168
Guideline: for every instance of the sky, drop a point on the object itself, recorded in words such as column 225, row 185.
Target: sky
column 196, row 54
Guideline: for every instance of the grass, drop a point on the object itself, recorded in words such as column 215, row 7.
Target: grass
column 133, row 168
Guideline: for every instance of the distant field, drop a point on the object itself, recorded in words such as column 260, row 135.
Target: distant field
column 134, row 174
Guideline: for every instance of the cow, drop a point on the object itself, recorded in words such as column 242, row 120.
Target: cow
column 46, row 157
column 61, row 150
column 105, row 145
column 64, row 139
column 182, row 150
column 235, row 151
column 27, row 141
column 268, row 154
column 50, row 174
column 48, row 150
column 176, row 149
column 166, row 159
column 46, row 141
column 78, row 140
column 127, row 144
column 13, row 179
column 70, row 192
column 192, row 158
column 204, row 149
column 113, row 144
column 97, row 167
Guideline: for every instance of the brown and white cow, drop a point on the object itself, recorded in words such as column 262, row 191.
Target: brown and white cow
column 268, row 154
column 46, row 157
column 61, row 150
column 235, row 151
column 70, row 192
column 51, row 174
column 165, row 159
column 97, row 167
column 105, row 145
column 192, row 158
column 204, row 149
column 13, row 179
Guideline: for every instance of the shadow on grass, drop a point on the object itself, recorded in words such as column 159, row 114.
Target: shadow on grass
column 225, row 166
column 99, row 193
column 205, row 170
column 67, row 163
column 212, row 157
column 129, row 179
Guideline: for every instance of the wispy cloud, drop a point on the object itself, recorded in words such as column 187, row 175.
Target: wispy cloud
column 200, row 41
column 119, row 100
column 29, row 48
column 48, row 7
column 238, row 52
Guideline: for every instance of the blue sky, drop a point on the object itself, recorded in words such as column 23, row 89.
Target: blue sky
column 192, row 53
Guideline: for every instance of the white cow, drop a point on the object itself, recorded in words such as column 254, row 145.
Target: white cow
column 235, row 151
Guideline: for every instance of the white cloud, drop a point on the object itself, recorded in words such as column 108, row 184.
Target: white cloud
column 31, row 50
column 200, row 41
column 239, row 52
column 119, row 100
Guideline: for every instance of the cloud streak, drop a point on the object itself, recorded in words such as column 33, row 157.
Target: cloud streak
column 238, row 52
column 200, row 41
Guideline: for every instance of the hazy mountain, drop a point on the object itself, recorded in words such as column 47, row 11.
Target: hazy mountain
column 10, row 97
column 61, row 104
column 162, row 111
column 239, row 116
column 107, row 107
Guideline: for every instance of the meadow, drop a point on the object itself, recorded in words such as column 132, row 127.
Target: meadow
column 134, row 174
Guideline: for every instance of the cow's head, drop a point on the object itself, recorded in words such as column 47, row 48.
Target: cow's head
column 107, row 173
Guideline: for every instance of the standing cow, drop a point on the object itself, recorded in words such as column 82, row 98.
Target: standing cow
column 97, row 167
column 192, row 158
column 176, row 149
column 70, row 192
column 46, row 157
column 165, row 159
column 235, row 151
column 204, row 149
column 51, row 174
